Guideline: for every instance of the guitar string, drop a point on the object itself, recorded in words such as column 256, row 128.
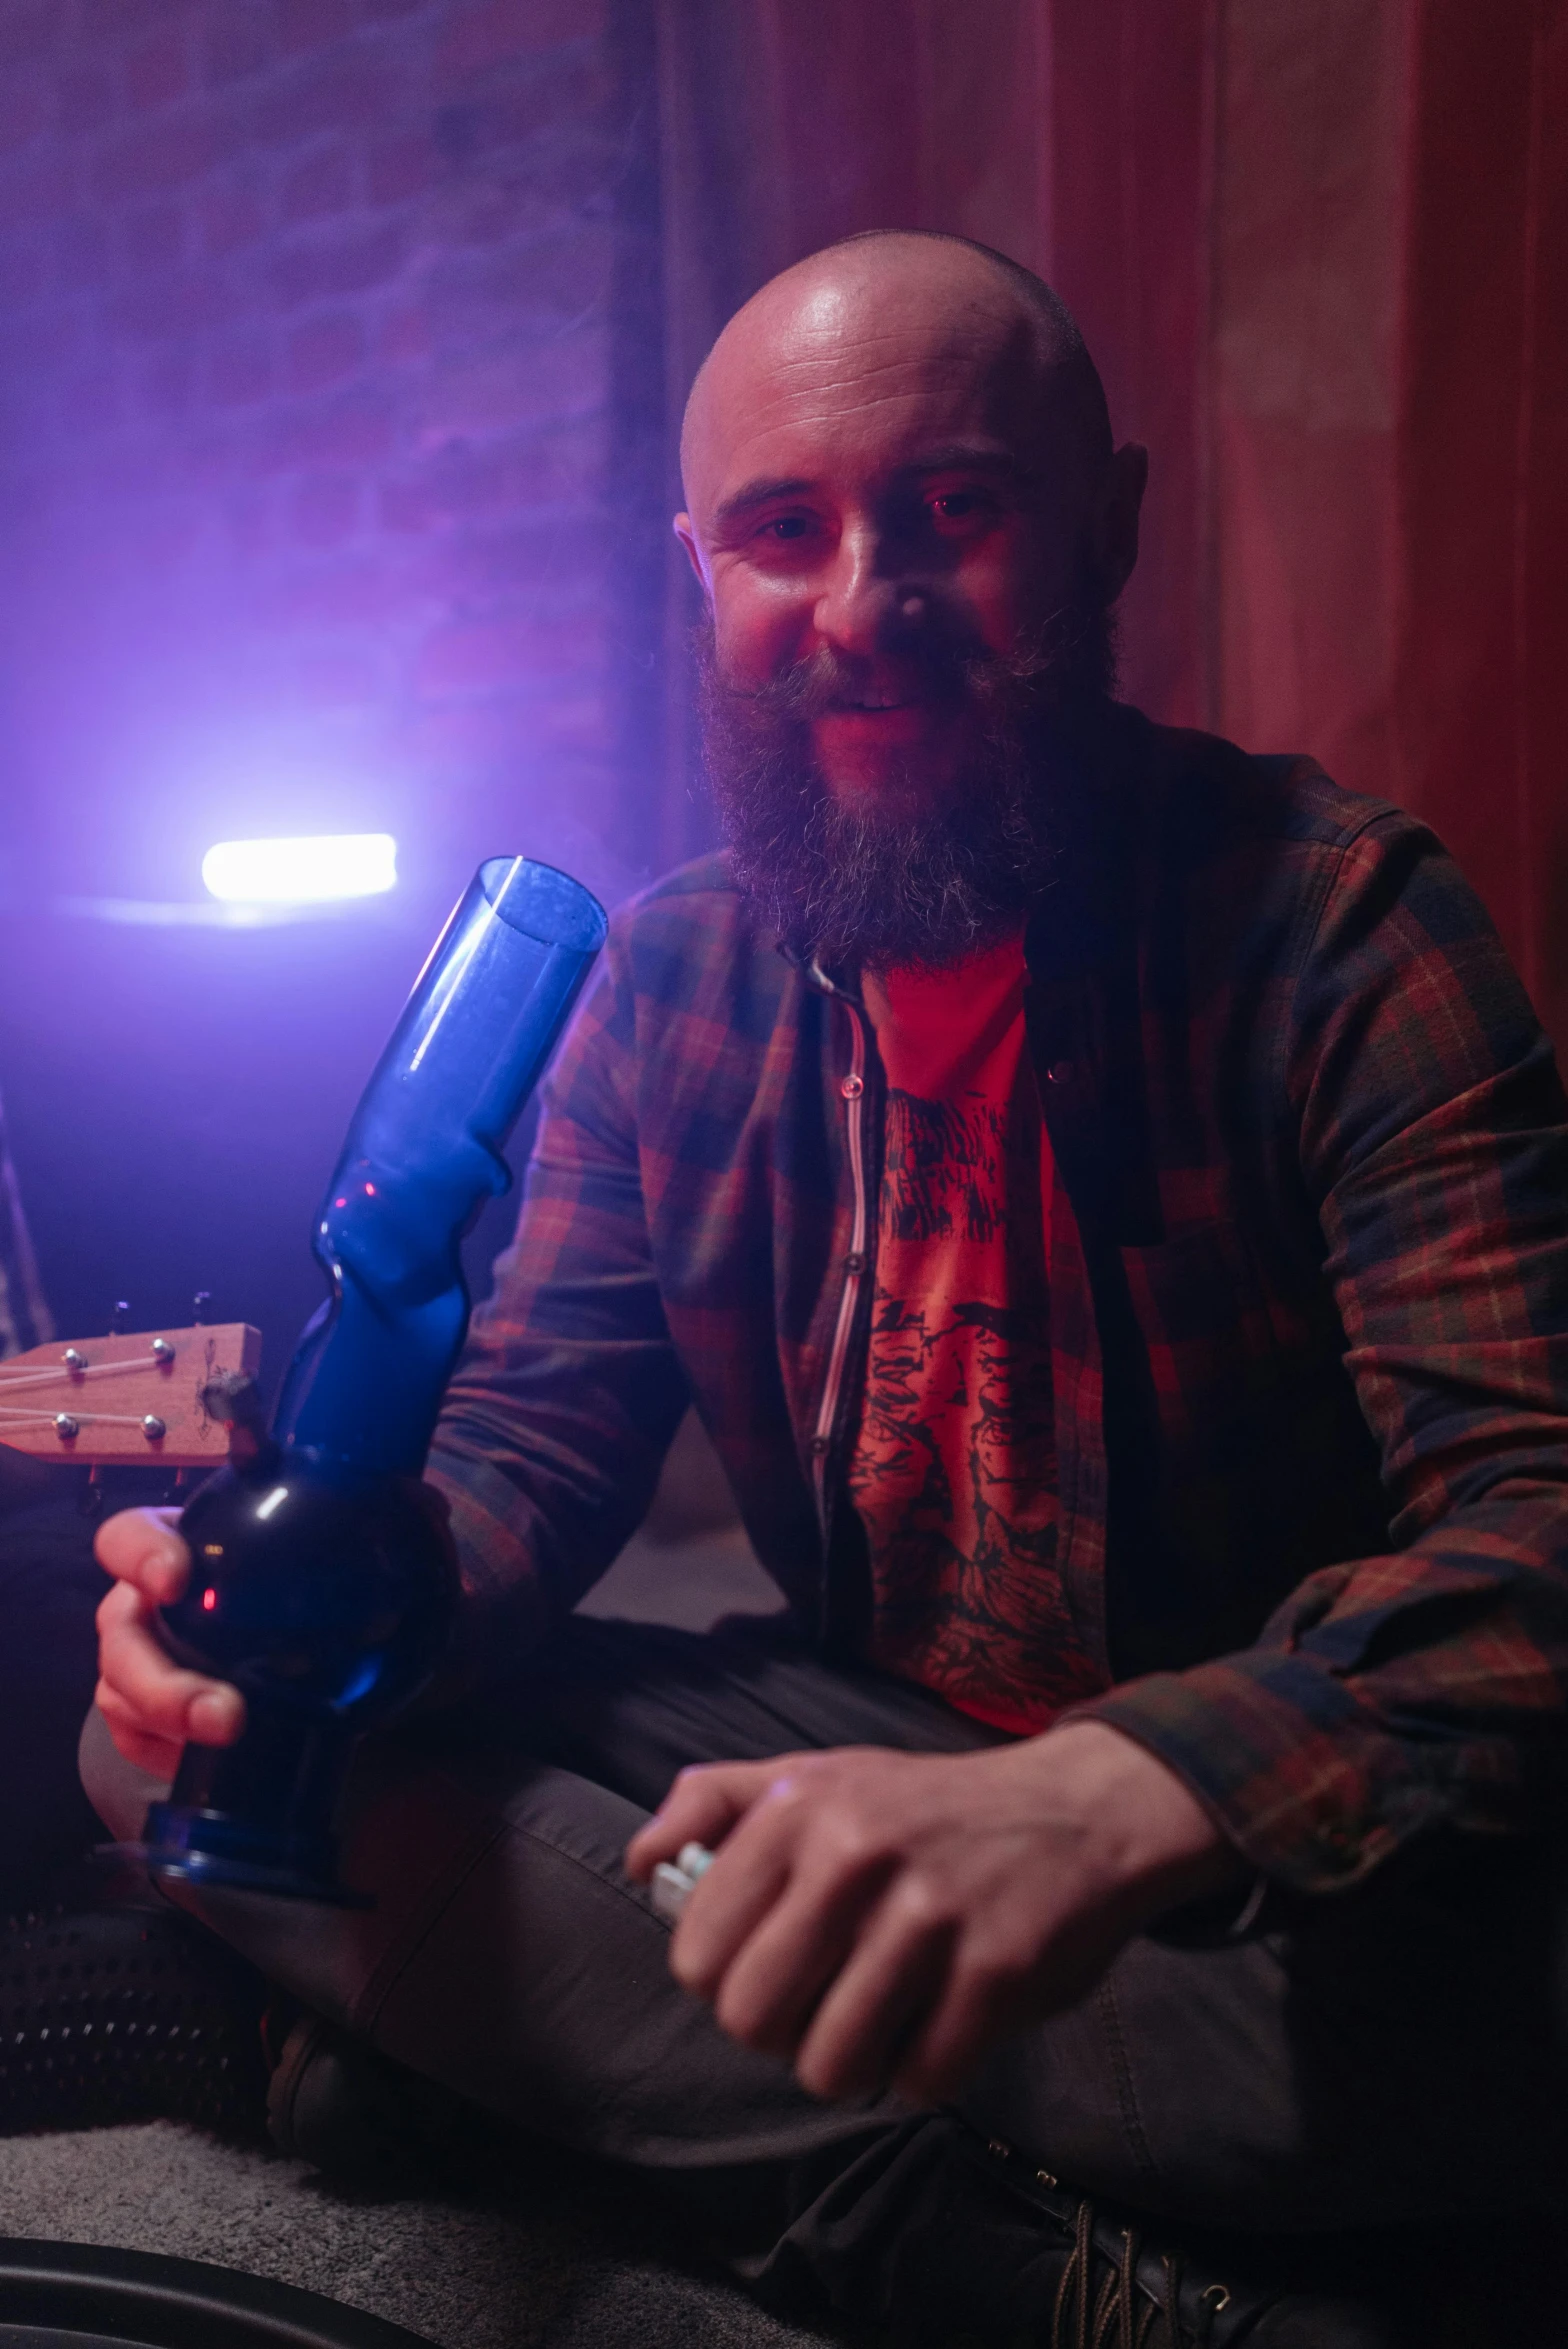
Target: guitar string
column 82, row 1418
column 75, row 1378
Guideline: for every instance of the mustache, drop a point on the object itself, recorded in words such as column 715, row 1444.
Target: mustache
column 943, row 671
column 1066, row 656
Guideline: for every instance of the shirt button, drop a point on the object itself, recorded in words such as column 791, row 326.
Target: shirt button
column 1061, row 1072
column 819, row 1445
column 852, row 1088
column 854, row 1261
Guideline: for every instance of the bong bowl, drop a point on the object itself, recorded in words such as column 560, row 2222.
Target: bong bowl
column 324, row 1594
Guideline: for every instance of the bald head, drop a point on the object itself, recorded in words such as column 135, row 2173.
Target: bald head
column 959, row 300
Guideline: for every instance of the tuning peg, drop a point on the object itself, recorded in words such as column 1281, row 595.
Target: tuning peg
column 202, row 1300
column 119, row 1317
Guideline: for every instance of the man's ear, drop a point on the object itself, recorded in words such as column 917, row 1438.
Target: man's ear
column 1113, row 527
column 688, row 537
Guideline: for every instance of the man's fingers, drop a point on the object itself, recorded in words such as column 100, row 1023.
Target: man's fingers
column 988, row 1995
column 157, row 1755
column 730, row 1901
column 789, row 1952
column 701, row 1807
column 168, row 1701
column 993, row 1987
column 153, row 1707
column 141, row 1547
column 893, row 1977
column 964, row 2019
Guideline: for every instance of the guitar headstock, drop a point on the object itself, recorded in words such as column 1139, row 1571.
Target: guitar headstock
column 136, row 1399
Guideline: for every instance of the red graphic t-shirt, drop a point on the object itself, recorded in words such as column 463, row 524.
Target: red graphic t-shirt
column 954, row 1467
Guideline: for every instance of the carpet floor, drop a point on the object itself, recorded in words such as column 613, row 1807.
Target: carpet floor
column 539, row 2260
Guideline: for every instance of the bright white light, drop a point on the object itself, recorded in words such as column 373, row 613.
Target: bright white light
column 301, row 872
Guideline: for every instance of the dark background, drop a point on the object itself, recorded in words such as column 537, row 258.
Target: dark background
column 344, row 347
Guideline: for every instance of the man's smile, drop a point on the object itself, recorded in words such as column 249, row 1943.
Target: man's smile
column 886, row 715
column 889, row 698
column 849, row 730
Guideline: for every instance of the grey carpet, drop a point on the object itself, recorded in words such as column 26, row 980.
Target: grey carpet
column 521, row 2265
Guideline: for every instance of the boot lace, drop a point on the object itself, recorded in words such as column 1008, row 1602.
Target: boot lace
column 1118, row 2315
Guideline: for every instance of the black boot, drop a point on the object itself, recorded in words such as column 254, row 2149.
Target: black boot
column 1114, row 2278
column 947, row 2241
column 126, row 2013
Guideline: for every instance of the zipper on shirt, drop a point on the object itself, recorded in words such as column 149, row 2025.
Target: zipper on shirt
column 853, row 1090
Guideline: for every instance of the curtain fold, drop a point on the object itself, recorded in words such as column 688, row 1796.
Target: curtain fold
column 1480, row 677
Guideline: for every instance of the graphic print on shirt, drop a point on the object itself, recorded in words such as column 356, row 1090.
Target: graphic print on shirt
column 954, row 1472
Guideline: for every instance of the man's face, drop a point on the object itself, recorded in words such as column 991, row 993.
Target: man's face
column 909, row 554
column 881, row 489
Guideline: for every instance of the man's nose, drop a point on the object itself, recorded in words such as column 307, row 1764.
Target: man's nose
column 862, row 601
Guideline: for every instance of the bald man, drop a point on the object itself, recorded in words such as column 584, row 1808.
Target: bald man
column 1105, row 1196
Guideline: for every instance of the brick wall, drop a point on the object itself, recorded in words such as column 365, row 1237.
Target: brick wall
column 332, row 495
column 330, row 492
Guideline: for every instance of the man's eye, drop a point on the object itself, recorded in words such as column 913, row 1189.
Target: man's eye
column 960, row 505
column 784, row 527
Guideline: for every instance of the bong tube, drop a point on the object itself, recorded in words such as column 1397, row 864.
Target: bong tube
column 422, row 1156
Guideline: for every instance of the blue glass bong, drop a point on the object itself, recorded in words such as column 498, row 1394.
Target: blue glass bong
column 321, row 1581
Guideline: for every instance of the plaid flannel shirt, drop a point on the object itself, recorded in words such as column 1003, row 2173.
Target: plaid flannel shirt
column 1309, row 1297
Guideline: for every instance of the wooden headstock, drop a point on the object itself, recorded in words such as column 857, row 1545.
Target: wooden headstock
column 132, row 1400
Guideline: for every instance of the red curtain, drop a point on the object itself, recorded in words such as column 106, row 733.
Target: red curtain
column 1320, row 254
column 1480, row 659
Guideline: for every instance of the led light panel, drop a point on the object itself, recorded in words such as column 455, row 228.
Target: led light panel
column 303, row 871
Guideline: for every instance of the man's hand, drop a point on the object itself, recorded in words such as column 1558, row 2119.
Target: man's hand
column 152, row 1706
column 886, row 1917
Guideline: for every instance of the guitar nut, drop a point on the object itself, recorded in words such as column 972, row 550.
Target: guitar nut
column 65, row 1426
column 153, row 1427
column 162, row 1351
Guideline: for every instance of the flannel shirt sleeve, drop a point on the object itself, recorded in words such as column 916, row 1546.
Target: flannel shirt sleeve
column 559, row 1414
column 1425, row 1689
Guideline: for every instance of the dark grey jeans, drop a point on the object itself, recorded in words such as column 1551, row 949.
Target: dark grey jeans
column 1392, row 2057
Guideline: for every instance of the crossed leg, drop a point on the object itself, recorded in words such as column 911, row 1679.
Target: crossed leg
column 1389, row 2059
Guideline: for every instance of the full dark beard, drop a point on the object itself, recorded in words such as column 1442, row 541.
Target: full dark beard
column 904, row 879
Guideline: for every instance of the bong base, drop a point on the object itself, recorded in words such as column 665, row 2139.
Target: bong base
column 198, row 1869
column 185, row 1845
